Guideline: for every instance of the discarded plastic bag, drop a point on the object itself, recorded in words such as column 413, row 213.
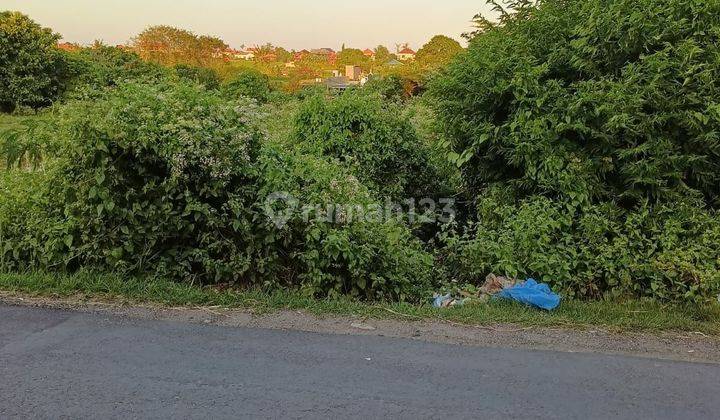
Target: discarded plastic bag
column 532, row 293
column 445, row 301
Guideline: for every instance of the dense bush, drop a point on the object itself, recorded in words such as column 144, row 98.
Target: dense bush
column 33, row 232
column 169, row 180
column 31, row 67
column 389, row 88
column 349, row 255
column 374, row 139
column 26, row 141
column 248, row 83
column 587, row 133
column 669, row 252
column 201, row 75
column 161, row 179
column 94, row 70
column 590, row 101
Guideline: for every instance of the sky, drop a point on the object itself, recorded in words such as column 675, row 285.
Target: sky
column 293, row 24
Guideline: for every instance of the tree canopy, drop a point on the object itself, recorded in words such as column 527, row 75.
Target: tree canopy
column 438, row 52
column 169, row 46
column 31, row 67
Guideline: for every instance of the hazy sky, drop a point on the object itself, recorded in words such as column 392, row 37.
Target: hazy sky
column 294, row 24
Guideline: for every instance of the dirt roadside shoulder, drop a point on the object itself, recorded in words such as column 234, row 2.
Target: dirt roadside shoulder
column 682, row 346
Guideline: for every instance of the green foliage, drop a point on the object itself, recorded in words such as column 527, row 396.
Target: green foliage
column 201, row 75
column 590, row 101
column 26, row 141
column 382, row 54
column 248, row 83
column 437, row 53
column 352, row 57
column 667, row 252
column 160, row 179
column 587, row 134
column 363, row 258
column 32, row 230
column 94, row 70
column 374, row 139
column 31, row 67
column 390, row 88
column 170, row 181
column 170, row 46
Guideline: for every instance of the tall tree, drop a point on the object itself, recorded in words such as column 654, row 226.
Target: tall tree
column 210, row 47
column 169, row 46
column 438, row 52
column 352, row 57
column 31, row 67
column 382, row 54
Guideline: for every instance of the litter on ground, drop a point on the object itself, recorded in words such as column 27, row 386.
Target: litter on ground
column 532, row 293
column 529, row 292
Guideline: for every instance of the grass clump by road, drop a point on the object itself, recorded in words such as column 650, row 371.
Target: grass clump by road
column 631, row 315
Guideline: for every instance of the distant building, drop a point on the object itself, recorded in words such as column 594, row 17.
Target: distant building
column 406, row 54
column 300, row 55
column 329, row 54
column 67, row 46
column 232, row 54
column 323, row 51
column 337, row 84
column 393, row 63
column 353, row 72
column 369, row 53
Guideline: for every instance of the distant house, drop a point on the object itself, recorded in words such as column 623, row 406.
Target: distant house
column 353, row 72
column 300, row 55
column 406, row 54
column 329, row 54
column 369, row 53
column 337, row 84
column 233, row 54
column 393, row 63
column 323, row 51
column 67, row 46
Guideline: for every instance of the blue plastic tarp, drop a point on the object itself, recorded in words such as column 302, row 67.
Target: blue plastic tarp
column 532, row 293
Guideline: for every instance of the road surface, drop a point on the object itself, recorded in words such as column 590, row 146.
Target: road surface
column 63, row 364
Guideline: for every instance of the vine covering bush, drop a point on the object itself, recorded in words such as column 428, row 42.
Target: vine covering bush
column 170, row 180
column 588, row 134
column 591, row 101
column 249, row 83
column 373, row 138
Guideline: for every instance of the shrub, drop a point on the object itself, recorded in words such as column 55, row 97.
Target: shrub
column 374, row 139
column 590, row 101
column 369, row 259
column 31, row 67
column 161, row 179
column 27, row 141
column 249, row 83
column 667, row 252
column 389, row 88
column 92, row 71
column 201, row 75
column 34, row 235
column 169, row 180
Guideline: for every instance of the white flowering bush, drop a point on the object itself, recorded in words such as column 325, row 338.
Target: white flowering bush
column 162, row 179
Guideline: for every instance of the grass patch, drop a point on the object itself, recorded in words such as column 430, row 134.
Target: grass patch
column 632, row 315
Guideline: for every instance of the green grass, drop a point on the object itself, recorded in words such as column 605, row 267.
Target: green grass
column 625, row 316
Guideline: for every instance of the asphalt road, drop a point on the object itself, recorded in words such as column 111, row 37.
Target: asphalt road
column 59, row 364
